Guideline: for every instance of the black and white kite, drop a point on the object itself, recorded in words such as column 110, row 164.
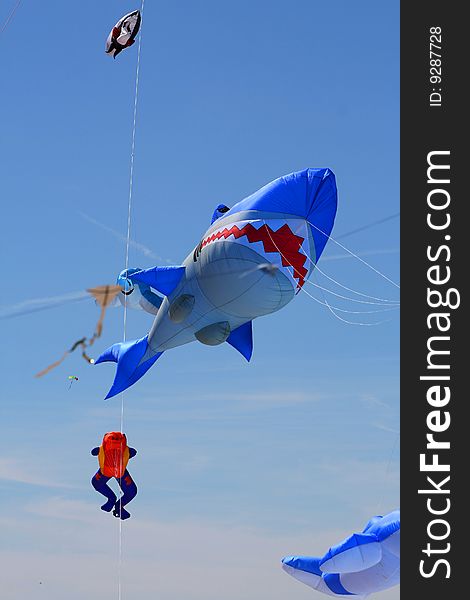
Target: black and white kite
column 123, row 34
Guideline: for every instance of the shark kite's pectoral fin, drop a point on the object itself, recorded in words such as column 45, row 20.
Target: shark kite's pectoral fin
column 131, row 361
column 241, row 339
column 162, row 279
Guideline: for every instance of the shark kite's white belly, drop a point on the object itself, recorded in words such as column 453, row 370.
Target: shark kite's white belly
column 237, row 273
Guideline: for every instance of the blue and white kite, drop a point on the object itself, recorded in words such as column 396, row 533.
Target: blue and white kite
column 360, row 565
column 252, row 261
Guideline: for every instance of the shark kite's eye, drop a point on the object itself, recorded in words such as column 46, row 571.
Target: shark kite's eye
column 128, row 288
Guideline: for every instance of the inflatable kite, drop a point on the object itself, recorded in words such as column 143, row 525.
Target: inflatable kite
column 123, row 34
column 360, row 565
column 113, row 456
column 251, row 262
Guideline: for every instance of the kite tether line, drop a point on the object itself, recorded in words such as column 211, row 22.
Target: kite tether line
column 128, row 239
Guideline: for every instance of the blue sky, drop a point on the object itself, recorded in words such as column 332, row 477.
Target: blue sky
column 238, row 464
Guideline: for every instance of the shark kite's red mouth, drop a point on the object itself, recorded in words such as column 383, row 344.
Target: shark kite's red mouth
column 283, row 241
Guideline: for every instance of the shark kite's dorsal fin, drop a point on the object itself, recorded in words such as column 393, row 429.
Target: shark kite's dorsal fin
column 162, row 279
column 241, row 339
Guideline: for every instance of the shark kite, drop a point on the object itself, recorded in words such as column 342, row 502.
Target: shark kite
column 252, row 261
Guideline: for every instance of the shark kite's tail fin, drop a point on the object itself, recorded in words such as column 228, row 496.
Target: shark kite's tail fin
column 133, row 361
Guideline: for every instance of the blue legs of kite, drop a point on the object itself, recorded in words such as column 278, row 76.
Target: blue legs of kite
column 129, row 491
column 100, row 483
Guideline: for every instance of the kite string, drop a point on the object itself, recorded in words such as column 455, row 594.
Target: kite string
column 131, row 174
column 355, row 256
column 317, row 285
column 128, row 239
column 325, row 303
column 317, row 268
column 334, row 309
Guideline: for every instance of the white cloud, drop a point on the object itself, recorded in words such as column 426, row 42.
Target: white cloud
column 18, row 471
column 38, row 304
column 373, row 400
column 122, row 238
